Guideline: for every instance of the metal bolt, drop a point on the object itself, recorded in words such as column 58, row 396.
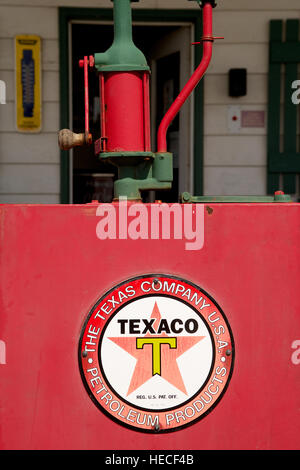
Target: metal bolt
column 156, row 428
column 84, row 353
column 186, row 196
column 228, row 352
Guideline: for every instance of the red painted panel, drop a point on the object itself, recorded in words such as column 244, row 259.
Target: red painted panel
column 54, row 269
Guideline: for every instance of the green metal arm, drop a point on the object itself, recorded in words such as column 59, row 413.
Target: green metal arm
column 278, row 197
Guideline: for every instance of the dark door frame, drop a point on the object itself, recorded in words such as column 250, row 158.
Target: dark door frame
column 88, row 14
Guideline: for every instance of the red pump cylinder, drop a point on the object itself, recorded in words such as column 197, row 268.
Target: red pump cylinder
column 125, row 117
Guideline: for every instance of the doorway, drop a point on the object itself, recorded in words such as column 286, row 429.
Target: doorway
column 168, row 50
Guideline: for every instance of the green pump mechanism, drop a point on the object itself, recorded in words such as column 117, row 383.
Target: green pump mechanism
column 125, row 114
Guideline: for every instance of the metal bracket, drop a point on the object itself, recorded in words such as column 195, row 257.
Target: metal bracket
column 207, row 38
column 203, row 2
column 99, row 145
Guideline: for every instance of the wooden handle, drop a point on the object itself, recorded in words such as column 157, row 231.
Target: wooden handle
column 68, row 139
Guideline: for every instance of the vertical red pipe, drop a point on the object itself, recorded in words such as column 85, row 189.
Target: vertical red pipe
column 193, row 81
column 86, row 94
column 102, row 112
column 86, row 63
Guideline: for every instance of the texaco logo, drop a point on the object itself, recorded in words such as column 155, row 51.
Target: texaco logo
column 156, row 353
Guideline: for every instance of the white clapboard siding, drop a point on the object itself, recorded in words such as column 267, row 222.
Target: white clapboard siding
column 233, row 163
column 29, row 148
column 21, row 19
column 233, row 150
column 50, row 117
column 49, row 49
column 226, row 5
column 29, row 198
column 252, row 56
column 217, row 90
column 246, row 28
column 29, row 178
column 29, row 162
column 6, row 53
column 229, row 157
column 234, row 181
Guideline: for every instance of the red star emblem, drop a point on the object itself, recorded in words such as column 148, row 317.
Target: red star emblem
column 169, row 352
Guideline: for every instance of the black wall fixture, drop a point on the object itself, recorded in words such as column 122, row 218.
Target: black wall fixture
column 237, row 82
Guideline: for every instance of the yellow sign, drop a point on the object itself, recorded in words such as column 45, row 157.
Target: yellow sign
column 28, row 83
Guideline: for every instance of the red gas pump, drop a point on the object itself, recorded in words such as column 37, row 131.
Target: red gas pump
column 125, row 109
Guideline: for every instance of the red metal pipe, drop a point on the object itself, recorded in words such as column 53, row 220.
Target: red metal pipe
column 86, row 95
column 85, row 63
column 193, row 81
column 102, row 113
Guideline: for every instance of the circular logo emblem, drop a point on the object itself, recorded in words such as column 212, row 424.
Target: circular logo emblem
column 156, row 353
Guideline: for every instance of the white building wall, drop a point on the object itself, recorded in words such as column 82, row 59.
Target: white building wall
column 233, row 163
column 29, row 163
